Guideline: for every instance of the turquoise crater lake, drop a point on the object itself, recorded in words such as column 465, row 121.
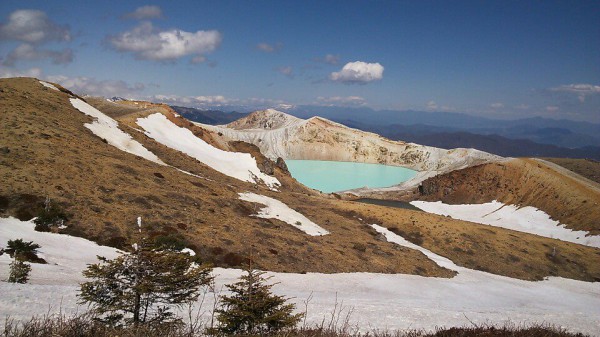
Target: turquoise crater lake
column 335, row 176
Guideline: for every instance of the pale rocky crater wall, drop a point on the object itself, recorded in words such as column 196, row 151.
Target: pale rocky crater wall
column 281, row 135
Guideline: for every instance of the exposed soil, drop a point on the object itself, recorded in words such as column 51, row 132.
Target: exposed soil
column 527, row 182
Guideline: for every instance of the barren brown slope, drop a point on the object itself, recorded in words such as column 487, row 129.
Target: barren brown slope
column 49, row 152
column 486, row 248
column 46, row 151
column 522, row 182
column 587, row 168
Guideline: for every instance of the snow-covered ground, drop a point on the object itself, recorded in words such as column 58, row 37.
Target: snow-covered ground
column 49, row 85
column 107, row 128
column 276, row 209
column 524, row 219
column 377, row 301
column 241, row 166
column 66, row 255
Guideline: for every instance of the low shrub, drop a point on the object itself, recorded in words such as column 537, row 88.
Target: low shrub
column 85, row 325
column 49, row 216
column 24, row 251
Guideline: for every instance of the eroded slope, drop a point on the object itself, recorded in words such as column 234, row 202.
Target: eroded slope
column 280, row 135
column 46, row 151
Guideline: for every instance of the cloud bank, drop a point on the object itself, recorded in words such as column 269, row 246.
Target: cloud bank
column 30, row 52
column 33, row 28
column 581, row 90
column 93, row 87
column 146, row 42
column 358, row 73
column 32, row 72
column 341, row 101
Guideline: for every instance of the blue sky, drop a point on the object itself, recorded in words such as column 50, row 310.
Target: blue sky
column 501, row 59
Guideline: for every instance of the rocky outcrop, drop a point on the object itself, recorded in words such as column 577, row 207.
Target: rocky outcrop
column 280, row 135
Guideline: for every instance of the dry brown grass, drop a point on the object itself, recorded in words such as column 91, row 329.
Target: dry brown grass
column 49, row 152
column 588, row 168
column 52, row 154
column 84, row 325
column 525, row 182
column 495, row 250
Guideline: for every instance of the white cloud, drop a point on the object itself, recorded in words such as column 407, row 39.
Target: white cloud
column 431, row 105
column 30, row 52
column 216, row 100
column 522, row 107
column 33, row 26
column 149, row 43
column 269, row 48
column 341, row 100
column 93, row 87
column 552, row 108
column 497, row 105
column 331, row 59
column 285, row 106
column 252, row 103
column 6, row 72
column 145, row 13
column 287, row 71
column 581, row 90
column 358, row 72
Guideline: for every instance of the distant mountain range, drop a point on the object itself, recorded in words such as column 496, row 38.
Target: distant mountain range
column 530, row 137
column 503, row 146
column 562, row 133
column 212, row 117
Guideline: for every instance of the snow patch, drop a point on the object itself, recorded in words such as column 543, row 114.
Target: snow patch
column 49, row 85
column 276, row 209
column 524, row 219
column 397, row 239
column 188, row 251
column 108, row 128
column 67, row 256
column 378, row 301
column 241, row 166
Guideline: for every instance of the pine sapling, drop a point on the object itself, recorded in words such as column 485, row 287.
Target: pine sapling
column 19, row 271
column 253, row 309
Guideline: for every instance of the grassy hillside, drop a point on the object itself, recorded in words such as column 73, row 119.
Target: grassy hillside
column 587, row 168
column 45, row 151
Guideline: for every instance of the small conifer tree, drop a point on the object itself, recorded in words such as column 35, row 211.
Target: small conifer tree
column 50, row 216
column 23, row 251
column 18, row 247
column 253, row 309
column 18, row 271
column 143, row 286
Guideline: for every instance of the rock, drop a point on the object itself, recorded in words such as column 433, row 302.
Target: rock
column 266, row 166
column 282, row 165
column 4, row 150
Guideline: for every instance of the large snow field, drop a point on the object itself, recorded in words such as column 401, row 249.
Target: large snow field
column 276, row 209
column 524, row 219
column 377, row 301
column 238, row 165
column 108, row 128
